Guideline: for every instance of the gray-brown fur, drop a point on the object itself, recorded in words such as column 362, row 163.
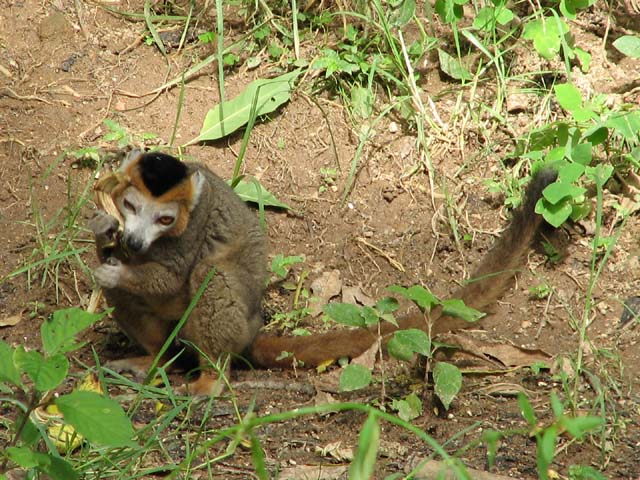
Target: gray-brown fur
column 153, row 288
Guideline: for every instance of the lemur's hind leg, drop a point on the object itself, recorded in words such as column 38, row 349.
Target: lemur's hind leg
column 219, row 324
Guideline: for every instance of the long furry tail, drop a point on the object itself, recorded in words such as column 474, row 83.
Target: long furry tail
column 488, row 283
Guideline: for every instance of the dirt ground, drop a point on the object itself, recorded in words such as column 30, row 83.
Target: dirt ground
column 66, row 66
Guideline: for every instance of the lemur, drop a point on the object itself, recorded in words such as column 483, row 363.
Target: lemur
column 180, row 220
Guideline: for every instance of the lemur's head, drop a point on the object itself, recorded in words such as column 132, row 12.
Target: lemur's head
column 159, row 199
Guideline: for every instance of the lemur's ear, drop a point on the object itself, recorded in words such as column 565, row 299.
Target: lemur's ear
column 197, row 180
column 131, row 157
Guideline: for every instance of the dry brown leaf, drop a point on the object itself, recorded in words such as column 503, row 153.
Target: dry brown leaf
column 436, row 469
column 356, row 296
column 498, row 354
column 324, row 288
column 314, row 472
column 11, row 320
column 336, row 451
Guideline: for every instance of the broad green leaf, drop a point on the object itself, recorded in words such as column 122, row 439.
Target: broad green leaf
column 579, row 426
column 554, row 214
column 409, row 408
column 570, row 172
column 488, row 17
column 546, row 35
column 54, row 467
column 450, row 11
column 387, row 305
column 568, row 8
column 585, row 472
column 599, row 174
column 629, row 45
column 456, row 308
column 447, row 381
column 46, row 373
column 419, row 295
column 354, row 377
column 415, row 340
column 280, row 263
column 584, row 58
column 402, row 13
column 369, row 315
column 266, row 94
column 556, row 405
column 345, row 314
column 527, row 410
column 626, row 124
column 362, row 102
column 399, row 350
column 452, row 66
column 581, row 153
column 560, row 190
column 547, row 445
column 8, row 371
column 99, row 419
column 597, row 134
column 248, row 191
column 569, row 97
column 364, row 462
column 59, row 333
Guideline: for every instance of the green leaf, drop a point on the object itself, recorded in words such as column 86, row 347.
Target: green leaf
column 571, row 172
column 453, row 66
column 555, row 214
column 599, row 174
column 55, row 467
column 456, row 308
column 628, row 45
column 345, row 314
column 584, row 472
column 560, row 190
column 569, row 97
column 447, row 381
column 449, row 10
column 556, row 405
column 387, row 305
column 364, row 462
column 99, row 419
column 362, row 102
column 584, row 58
column 399, row 350
column 8, row 370
column 579, row 426
column 46, row 373
column 547, row 446
column 249, row 192
column 409, row 408
column 402, row 13
column 354, row 377
column 280, row 264
column 546, row 34
column 527, row 410
column 488, row 17
column 419, row 295
column 414, row 340
column 581, row 153
column 268, row 95
column 59, row 333
column 626, row 124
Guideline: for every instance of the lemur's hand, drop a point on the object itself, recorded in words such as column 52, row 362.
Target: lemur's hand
column 104, row 226
column 110, row 273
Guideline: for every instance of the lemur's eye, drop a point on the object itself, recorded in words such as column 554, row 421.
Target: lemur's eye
column 129, row 206
column 165, row 220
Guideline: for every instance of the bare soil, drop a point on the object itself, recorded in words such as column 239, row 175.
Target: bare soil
column 66, row 66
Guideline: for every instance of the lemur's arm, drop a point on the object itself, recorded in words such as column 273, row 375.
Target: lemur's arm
column 150, row 278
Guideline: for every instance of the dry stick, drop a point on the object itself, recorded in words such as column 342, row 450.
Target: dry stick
column 394, row 263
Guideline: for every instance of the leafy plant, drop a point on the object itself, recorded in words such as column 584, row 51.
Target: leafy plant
column 30, row 377
column 404, row 344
